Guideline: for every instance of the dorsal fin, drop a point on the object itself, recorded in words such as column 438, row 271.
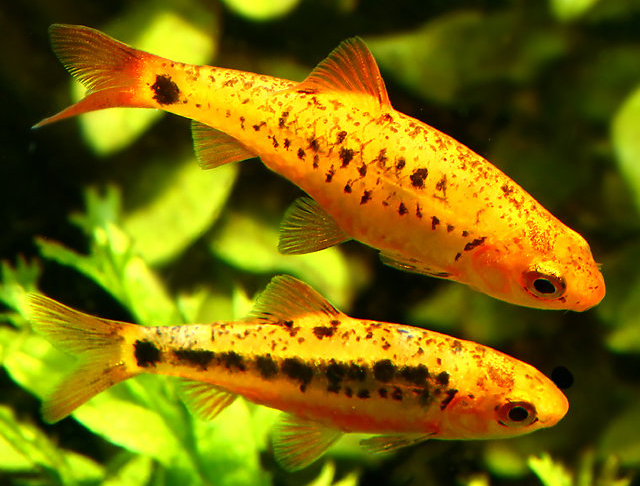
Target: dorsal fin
column 286, row 298
column 350, row 67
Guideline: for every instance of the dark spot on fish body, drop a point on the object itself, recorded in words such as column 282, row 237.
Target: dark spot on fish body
column 329, row 175
column 229, row 82
column 287, row 143
column 231, row 359
column 473, row 244
column 441, row 185
column 314, row 144
column 242, row 120
column 146, row 353
column 286, row 323
column 465, row 233
column 382, row 392
column 450, row 394
column 356, row 372
column 316, row 161
column 434, row 222
column 418, row 176
column 301, row 154
column 381, row 159
column 282, row 120
column 165, row 91
column 416, row 375
column 425, row 397
column 362, row 170
column 335, row 322
column 456, row 346
column 450, row 228
column 402, row 209
column 199, row 358
column 259, row 126
column 297, row 370
column 346, row 156
column 384, row 370
column 363, row 393
column 347, row 188
column 400, row 164
column 275, row 142
column 396, row 394
column 321, row 332
column 341, row 136
column 348, row 392
column 458, row 255
column 267, row 367
column 418, row 211
column 335, row 374
column 366, row 197
column 507, row 189
column 442, row 378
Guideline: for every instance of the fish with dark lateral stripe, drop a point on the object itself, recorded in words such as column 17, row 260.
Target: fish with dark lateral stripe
column 331, row 373
column 428, row 203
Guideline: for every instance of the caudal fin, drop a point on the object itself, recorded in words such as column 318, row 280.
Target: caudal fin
column 97, row 344
column 106, row 67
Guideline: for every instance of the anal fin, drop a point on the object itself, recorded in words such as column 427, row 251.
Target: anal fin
column 215, row 148
column 409, row 265
column 307, row 227
column 204, row 399
column 389, row 443
column 298, row 442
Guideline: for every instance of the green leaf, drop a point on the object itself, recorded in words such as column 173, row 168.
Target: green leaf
column 25, row 448
column 622, row 437
column 456, row 52
column 158, row 27
column 549, row 472
column 14, row 283
column 250, row 244
column 113, row 263
column 180, row 210
column 626, row 142
column 566, row 10
column 261, row 10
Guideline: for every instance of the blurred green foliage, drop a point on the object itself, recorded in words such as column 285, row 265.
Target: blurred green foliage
column 112, row 215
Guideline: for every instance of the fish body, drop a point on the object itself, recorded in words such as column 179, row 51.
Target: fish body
column 331, row 373
column 428, row 203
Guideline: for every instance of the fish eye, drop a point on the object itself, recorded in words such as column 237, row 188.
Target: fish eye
column 544, row 284
column 517, row 414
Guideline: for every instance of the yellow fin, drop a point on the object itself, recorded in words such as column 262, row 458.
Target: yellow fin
column 306, row 228
column 400, row 263
column 350, row 67
column 298, row 442
column 214, row 148
column 204, row 399
column 97, row 344
column 286, row 298
column 390, row 443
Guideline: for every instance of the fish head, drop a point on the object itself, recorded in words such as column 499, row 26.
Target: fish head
column 508, row 400
column 559, row 275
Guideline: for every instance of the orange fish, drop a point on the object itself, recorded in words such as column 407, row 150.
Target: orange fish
column 331, row 373
column 426, row 202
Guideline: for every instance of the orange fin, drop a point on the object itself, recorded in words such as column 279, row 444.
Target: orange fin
column 286, row 298
column 106, row 67
column 389, row 443
column 298, row 442
column 350, row 67
column 205, row 400
column 214, row 148
column 97, row 344
column 402, row 263
column 307, row 227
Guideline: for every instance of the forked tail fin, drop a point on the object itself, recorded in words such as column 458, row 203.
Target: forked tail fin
column 96, row 342
column 108, row 69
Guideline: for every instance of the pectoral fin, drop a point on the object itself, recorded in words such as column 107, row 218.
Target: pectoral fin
column 205, row 400
column 409, row 265
column 298, row 442
column 306, row 228
column 390, row 443
column 215, row 148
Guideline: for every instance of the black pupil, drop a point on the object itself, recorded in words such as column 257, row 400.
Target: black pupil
column 518, row 414
column 543, row 286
